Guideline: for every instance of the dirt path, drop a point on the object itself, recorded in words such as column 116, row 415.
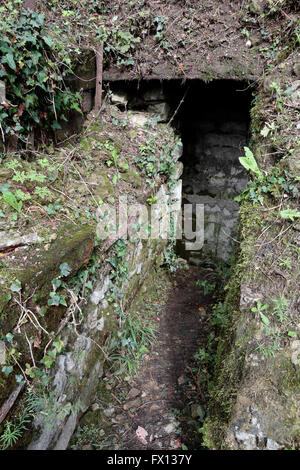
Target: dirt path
column 165, row 399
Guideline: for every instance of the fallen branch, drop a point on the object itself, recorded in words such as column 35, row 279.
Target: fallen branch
column 7, row 405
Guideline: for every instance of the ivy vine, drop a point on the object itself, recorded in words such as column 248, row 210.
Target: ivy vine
column 35, row 93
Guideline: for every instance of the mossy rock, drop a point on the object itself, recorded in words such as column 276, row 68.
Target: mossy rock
column 38, row 266
column 133, row 178
column 104, row 187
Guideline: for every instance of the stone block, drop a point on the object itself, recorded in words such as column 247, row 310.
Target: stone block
column 87, row 101
column 120, row 98
column 162, row 110
column 220, row 140
column 138, row 119
column 296, row 69
column 154, row 94
column 234, row 127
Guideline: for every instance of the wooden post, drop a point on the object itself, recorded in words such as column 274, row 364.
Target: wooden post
column 99, row 75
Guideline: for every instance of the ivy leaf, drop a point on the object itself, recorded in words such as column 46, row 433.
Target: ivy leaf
column 7, row 370
column 48, row 40
column 9, row 337
column 64, row 269
column 9, row 59
column 47, row 361
column 55, row 125
column 58, row 345
column 16, row 286
column 19, row 379
column 56, row 282
column 54, row 299
column 52, row 353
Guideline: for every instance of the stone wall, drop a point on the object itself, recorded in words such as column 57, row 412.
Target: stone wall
column 213, row 176
column 78, row 370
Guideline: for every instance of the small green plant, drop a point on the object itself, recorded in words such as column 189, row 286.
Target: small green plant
column 56, row 298
column 152, row 200
column 249, row 162
column 11, row 199
column 131, row 342
column 275, row 183
column 269, row 350
column 14, row 431
column 280, row 308
column 290, row 214
column 219, row 316
column 278, row 95
column 49, row 358
column 277, row 309
column 285, row 262
column 260, row 308
column 207, row 287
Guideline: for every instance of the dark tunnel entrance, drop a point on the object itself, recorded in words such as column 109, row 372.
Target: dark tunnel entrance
column 212, row 120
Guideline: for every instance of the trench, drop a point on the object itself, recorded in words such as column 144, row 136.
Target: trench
column 169, row 395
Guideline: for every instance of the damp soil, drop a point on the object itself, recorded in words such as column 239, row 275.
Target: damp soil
column 168, row 396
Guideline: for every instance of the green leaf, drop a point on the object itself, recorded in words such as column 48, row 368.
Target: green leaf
column 48, row 40
column 16, row 286
column 9, row 337
column 19, row 379
column 55, row 125
column 64, row 269
column 265, row 319
column 52, row 353
column 9, row 59
column 47, row 361
column 7, row 370
column 12, row 201
column 290, row 214
column 54, row 299
column 249, row 162
column 58, row 345
column 56, row 283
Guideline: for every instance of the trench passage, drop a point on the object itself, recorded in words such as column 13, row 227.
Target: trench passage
column 169, row 395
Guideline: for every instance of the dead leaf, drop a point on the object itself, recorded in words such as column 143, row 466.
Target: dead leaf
column 21, row 110
column 141, row 434
column 37, row 341
column 178, row 443
column 5, row 104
